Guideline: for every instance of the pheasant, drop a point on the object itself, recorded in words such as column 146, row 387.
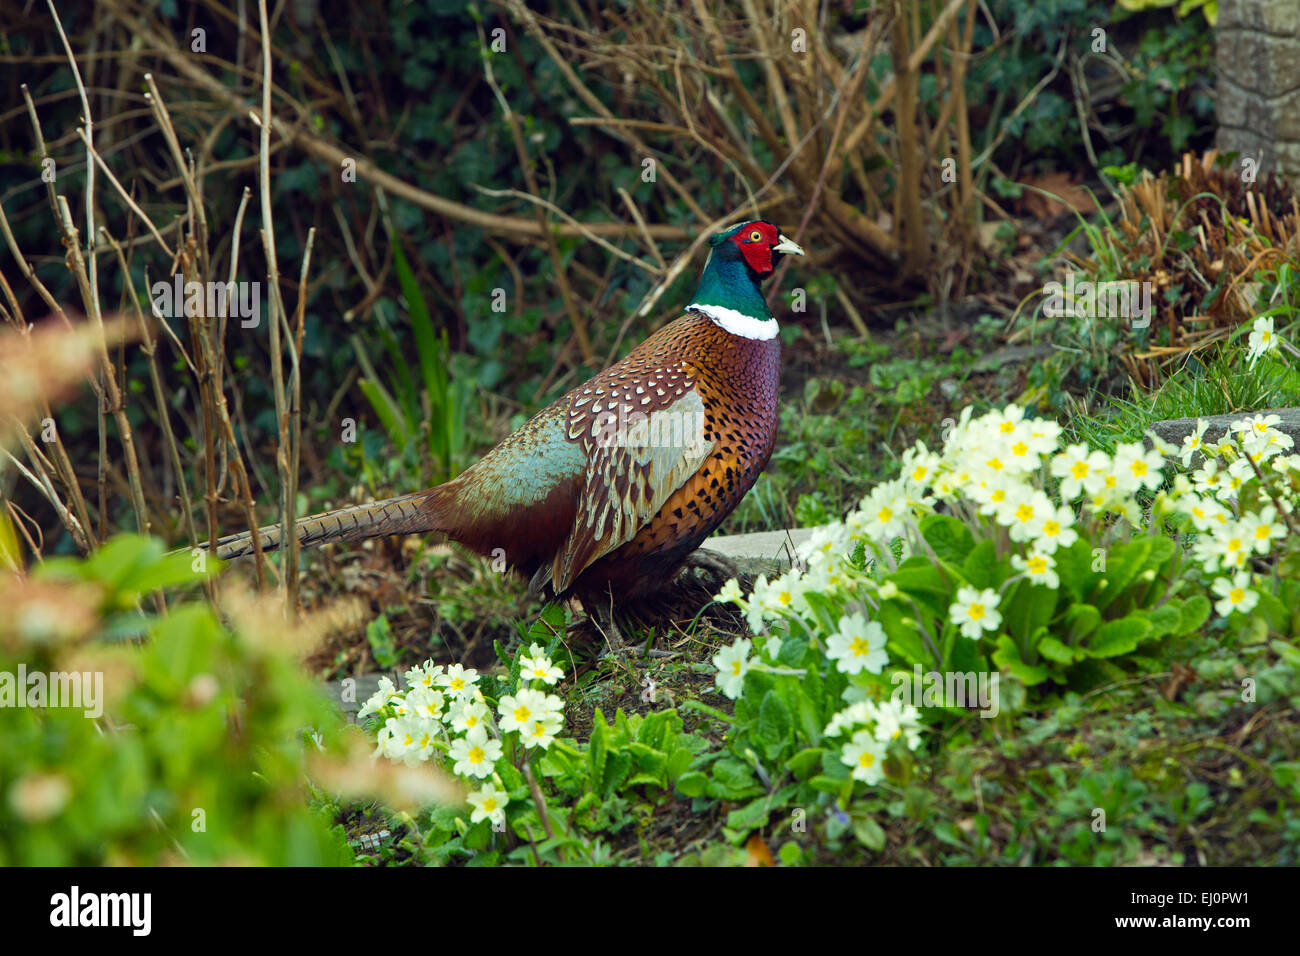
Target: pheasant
column 606, row 492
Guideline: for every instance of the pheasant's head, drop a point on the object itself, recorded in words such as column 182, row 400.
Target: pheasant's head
column 741, row 257
column 758, row 242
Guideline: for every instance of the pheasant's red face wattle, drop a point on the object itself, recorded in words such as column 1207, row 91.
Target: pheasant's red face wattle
column 756, row 241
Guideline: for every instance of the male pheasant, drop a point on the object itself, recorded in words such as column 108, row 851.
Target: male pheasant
column 609, row 489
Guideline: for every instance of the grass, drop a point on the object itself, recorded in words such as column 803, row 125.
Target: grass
column 1222, row 386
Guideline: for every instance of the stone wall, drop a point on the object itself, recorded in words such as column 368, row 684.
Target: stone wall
column 1257, row 59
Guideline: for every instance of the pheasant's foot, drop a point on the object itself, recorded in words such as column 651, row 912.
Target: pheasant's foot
column 714, row 565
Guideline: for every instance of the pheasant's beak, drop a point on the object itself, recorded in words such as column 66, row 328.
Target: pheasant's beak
column 787, row 245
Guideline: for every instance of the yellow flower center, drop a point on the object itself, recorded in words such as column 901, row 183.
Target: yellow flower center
column 1025, row 512
column 475, row 755
column 1139, row 468
column 884, row 514
column 1236, row 595
column 1262, row 533
column 1080, row 470
column 1019, row 449
column 976, row 612
column 866, row 758
column 1037, row 565
column 521, row 713
column 859, row 647
column 994, row 463
column 1007, row 428
column 489, row 805
column 735, row 668
column 1051, row 528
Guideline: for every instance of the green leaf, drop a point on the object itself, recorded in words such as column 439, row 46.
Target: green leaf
column 869, row 833
column 1123, row 564
column 1028, row 607
column 904, row 638
column 1273, row 612
column 1194, row 612
column 919, row 578
column 390, row 416
column 692, row 783
column 598, row 751
column 951, row 540
column 1117, row 637
column 1074, row 566
column 805, row 762
column 617, row 769
column 1008, row 655
column 1059, row 653
column 380, row 637
column 1163, row 620
column 980, row 566
column 1080, row 621
column 774, row 722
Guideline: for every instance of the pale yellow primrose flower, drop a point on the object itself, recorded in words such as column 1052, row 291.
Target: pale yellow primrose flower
column 1137, row 468
column 859, row 645
column 866, row 755
column 1038, row 567
column 1262, row 529
column 1194, row 442
column 975, row 612
column 466, row 715
column 458, row 680
column 537, row 666
column 1235, row 595
column 1261, row 339
column 896, row 720
column 1080, row 470
column 1054, row 529
column 730, row 593
column 475, row 754
column 518, row 711
column 489, row 803
column 733, row 664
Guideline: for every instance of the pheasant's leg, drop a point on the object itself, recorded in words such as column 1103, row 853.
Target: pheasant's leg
column 602, row 616
column 718, row 565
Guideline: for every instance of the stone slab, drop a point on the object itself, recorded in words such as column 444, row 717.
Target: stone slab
column 763, row 552
column 1176, row 429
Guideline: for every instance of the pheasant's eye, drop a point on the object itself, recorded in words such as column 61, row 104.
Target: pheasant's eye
column 755, row 236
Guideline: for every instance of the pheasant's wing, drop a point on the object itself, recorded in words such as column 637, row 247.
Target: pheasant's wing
column 644, row 434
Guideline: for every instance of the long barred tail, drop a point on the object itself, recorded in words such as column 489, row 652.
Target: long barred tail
column 409, row 514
